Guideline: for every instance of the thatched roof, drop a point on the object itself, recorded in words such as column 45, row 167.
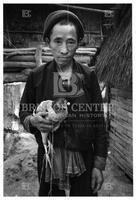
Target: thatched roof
column 114, row 63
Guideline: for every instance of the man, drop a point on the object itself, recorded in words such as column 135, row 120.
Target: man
column 64, row 77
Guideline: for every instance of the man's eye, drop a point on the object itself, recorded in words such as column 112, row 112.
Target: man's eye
column 58, row 41
column 71, row 42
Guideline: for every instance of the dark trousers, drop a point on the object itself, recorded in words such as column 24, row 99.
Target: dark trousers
column 80, row 186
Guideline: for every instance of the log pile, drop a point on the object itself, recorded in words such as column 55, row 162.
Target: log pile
column 21, row 61
column 121, row 144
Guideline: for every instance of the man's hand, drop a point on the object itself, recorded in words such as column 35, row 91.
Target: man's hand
column 97, row 180
column 41, row 123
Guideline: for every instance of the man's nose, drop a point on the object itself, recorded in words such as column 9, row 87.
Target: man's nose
column 64, row 49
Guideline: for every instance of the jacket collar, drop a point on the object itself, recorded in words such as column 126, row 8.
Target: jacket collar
column 53, row 66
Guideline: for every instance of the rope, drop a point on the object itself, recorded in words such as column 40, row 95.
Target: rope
column 51, row 178
column 42, row 169
column 47, row 160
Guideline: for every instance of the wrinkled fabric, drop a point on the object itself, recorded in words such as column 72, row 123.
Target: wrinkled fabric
column 65, row 164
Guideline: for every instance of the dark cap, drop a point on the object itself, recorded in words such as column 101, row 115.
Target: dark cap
column 56, row 16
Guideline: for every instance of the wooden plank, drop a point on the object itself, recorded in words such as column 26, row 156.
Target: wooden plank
column 118, row 110
column 87, row 49
column 121, row 130
column 126, row 156
column 28, row 58
column 126, row 151
column 127, row 145
column 122, row 114
column 117, row 116
column 125, row 101
column 19, row 49
column 47, row 58
column 87, row 53
column 123, row 159
column 128, row 171
column 80, row 50
column 126, row 106
column 126, row 126
column 80, row 59
column 119, row 157
column 8, row 55
column 18, row 66
column 47, row 54
column 113, row 130
column 121, row 118
column 21, row 58
column 119, row 137
column 122, row 93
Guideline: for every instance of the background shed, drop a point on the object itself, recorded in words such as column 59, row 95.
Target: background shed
column 114, row 67
column 23, row 23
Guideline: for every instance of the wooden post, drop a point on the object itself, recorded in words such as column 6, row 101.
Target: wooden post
column 38, row 56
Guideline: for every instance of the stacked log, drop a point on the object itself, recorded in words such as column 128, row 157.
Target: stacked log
column 21, row 61
column 121, row 144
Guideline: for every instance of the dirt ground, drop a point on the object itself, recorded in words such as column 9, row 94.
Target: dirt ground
column 20, row 175
column 116, row 183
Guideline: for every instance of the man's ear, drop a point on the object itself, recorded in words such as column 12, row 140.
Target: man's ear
column 77, row 45
column 47, row 41
column 49, row 44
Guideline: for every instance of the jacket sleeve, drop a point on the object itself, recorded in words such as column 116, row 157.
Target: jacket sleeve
column 27, row 104
column 101, row 136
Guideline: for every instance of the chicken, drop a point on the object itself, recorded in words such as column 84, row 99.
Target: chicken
column 56, row 111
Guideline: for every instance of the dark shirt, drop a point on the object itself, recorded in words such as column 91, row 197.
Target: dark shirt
column 85, row 125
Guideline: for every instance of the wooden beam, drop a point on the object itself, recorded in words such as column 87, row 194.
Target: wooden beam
column 85, row 8
column 18, row 66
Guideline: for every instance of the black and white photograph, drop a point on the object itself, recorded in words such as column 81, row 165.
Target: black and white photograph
column 67, row 99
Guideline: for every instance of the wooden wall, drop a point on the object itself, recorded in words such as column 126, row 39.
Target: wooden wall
column 121, row 144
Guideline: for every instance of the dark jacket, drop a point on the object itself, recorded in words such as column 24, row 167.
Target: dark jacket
column 85, row 125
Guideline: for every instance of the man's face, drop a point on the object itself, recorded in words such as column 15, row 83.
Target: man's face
column 63, row 43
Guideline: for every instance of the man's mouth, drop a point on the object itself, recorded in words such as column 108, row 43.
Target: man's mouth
column 64, row 58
